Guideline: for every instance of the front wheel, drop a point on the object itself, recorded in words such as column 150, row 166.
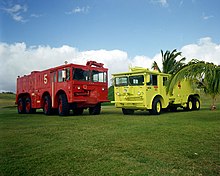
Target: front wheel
column 63, row 106
column 95, row 110
column 156, row 107
column 127, row 111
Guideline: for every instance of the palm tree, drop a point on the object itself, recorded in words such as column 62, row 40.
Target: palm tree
column 169, row 62
column 206, row 75
column 155, row 66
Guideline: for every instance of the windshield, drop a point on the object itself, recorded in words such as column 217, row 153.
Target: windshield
column 136, row 80
column 121, row 81
column 80, row 74
column 130, row 80
column 98, row 76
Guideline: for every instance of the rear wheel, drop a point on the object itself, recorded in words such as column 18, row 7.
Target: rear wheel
column 28, row 107
column 63, row 106
column 21, row 106
column 47, row 107
column 195, row 104
column 95, row 110
column 189, row 106
column 156, row 107
column 127, row 111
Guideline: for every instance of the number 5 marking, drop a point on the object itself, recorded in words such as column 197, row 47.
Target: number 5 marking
column 45, row 79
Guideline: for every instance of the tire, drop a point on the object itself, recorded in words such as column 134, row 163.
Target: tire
column 127, row 111
column 78, row 111
column 47, row 107
column 195, row 104
column 28, row 106
column 21, row 106
column 156, row 107
column 95, row 110
column 63, row 106
column 189, row 106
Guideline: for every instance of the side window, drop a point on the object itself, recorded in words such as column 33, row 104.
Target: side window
column 164, row 81
column 68, row 74
column 60, row 79
column 153, row 80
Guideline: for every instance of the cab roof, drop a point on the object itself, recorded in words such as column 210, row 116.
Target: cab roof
column 140, row 70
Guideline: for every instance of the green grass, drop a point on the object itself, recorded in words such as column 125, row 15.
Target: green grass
column 180, row 143
column 7, row 100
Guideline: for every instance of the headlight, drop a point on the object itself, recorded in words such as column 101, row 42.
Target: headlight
column 118, row 93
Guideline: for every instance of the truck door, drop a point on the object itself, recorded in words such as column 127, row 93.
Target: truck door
column 152, row 86
column 53, row 76
column 151, row 89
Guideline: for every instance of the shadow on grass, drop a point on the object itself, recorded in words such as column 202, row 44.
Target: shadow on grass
column 8, row 107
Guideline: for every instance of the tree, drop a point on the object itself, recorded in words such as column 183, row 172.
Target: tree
column 155, row 66
column 169, row 62
column 204, row 74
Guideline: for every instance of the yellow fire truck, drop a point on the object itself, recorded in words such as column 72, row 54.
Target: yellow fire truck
column 142, row 89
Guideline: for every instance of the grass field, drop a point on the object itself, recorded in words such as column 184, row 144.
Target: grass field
column 177, row 143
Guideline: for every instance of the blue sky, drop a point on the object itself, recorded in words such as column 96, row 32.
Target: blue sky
column 140, row 27
column 39, row 34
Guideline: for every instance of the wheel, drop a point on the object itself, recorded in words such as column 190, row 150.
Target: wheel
column 63, row 106
column 127, row 111
column 195, row 104
column 47, row 107
column 21, row 106
column 95, row 110
column 156, row 107
column 189, row 106
column 28, row 107
column 78, row 111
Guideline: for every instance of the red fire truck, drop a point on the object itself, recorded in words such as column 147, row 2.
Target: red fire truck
column 62, row 88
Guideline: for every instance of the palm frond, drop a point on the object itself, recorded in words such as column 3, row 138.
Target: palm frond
column 200, row 70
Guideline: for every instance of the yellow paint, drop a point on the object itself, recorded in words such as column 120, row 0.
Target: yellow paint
column 139, row 95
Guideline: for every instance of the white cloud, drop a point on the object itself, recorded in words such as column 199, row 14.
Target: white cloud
column 204, row 49
column 18, row 59
column 34, row 15
column 207, row 17
column 141, row 61
column 16, row 12
column 163, row 3
column 83, row 10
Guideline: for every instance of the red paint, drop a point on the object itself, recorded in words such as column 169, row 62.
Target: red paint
column 81, row 92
